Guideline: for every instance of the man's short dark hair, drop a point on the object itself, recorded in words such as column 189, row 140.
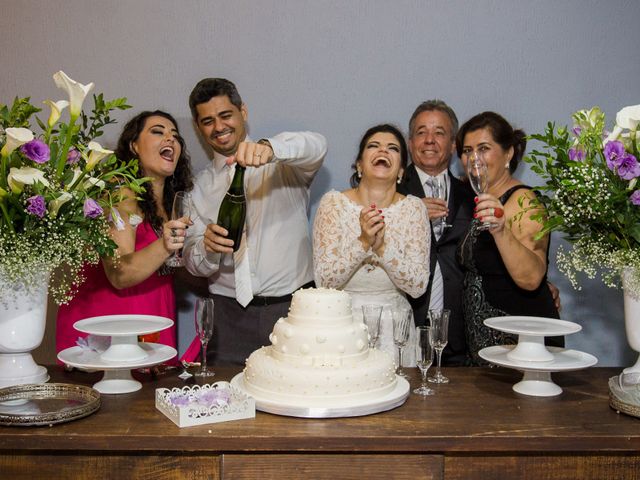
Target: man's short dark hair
column 207, row 88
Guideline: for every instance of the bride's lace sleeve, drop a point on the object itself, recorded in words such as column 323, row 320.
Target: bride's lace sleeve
column 337, row 252
column 407, row 244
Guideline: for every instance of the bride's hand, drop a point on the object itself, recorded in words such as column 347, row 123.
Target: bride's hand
column 371, row 228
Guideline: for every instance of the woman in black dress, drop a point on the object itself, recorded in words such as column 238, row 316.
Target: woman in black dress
column 505, row 266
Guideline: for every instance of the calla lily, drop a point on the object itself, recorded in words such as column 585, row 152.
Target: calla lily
column 56, row 203
column 15, row 138
column 76, row 91
column 56, row 110
column 19, row 177
column 626, row 119
column 93, row 182
column 77, row 173
column 96, row 154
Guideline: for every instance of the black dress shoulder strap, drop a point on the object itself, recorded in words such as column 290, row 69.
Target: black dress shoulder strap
column 506, row 195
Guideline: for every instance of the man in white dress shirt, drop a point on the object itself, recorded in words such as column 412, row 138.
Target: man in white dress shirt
column 251, row 288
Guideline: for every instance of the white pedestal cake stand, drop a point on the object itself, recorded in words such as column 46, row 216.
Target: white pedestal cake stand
column 531, row 356
column 125, row 352
column 328, row 409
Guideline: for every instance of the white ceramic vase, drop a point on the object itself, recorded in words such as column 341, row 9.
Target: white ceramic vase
column 23, row 316
column 632, row 326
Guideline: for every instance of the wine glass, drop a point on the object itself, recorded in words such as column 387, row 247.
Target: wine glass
column 439, row 190
column 439, row 320
column 204, row 330
column 478, row 175
column 181, row 209
column 402, row 320
column 371, row 315
column 424, row 358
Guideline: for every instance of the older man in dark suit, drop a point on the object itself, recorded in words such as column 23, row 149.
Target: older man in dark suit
column 432, row 131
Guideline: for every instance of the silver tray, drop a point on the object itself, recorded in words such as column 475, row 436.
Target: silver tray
column 391, row 400
column 46, row 404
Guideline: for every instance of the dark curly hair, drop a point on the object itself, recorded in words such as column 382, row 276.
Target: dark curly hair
column 181, row 180
column 384, row 128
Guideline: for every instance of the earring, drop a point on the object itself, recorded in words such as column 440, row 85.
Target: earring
column 399, row 179
column 506, row 165
column 359, row 173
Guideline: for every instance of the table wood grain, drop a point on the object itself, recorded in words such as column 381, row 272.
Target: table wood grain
column 474, row 427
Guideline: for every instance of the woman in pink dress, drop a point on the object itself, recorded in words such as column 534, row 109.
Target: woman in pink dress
column 138, row 281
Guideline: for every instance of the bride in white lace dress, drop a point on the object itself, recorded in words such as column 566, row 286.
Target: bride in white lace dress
column 372, row 241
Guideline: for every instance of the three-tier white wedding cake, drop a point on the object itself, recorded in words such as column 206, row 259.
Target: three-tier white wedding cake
column 319, row 357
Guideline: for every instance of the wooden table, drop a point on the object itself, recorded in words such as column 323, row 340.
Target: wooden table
column 476, row 427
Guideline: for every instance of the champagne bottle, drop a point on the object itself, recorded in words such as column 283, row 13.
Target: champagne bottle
column 233, row 208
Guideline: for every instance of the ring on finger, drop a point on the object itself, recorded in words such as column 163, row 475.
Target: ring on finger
column 493, row 211
column 174, row 233
column 498, row 213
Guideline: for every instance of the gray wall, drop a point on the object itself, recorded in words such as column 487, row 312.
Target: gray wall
column 338, row 67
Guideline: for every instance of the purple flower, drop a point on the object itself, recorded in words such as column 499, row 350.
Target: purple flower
column 576, row 131
column 217, row 397
column 36, row 206
column 613, row 153
column 36, row 150
column 91, row 208
column 635, row 198
column 73, row 156
column 576, row 154
column 629, row 168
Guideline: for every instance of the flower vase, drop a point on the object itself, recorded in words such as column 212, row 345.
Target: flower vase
column 23, row 317
column 624, row 389
column 631, row 324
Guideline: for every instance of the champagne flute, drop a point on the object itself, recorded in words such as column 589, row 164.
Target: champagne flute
column 439, row 336
column 478, row 175
column 181, row 208
column 204, row 331
column 424, row 358
column 371, row 315
column 439, row 190
column 402, row 320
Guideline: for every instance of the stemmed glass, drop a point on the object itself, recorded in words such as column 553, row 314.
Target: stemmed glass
column 371, row 315
column 439, row 190
column 402, row 320
column 204, row 331
column 424, row 358
column 439, row 337
column 181, row 209
column 478, row 175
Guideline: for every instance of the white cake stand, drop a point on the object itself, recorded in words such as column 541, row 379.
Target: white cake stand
column 531, row 356
column 294, row 408
column 125, row 352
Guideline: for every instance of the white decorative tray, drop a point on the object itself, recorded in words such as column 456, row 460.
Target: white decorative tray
column 202, row 404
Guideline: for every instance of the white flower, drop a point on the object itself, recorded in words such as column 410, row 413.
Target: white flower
column 96, row 154
column 19, row 177
column 15, row 138
column 626, row 119
column 56, row 203
column 93, row 182
column 77, row 173
column 76, row 91
column 116, row 218
column 56, row 110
